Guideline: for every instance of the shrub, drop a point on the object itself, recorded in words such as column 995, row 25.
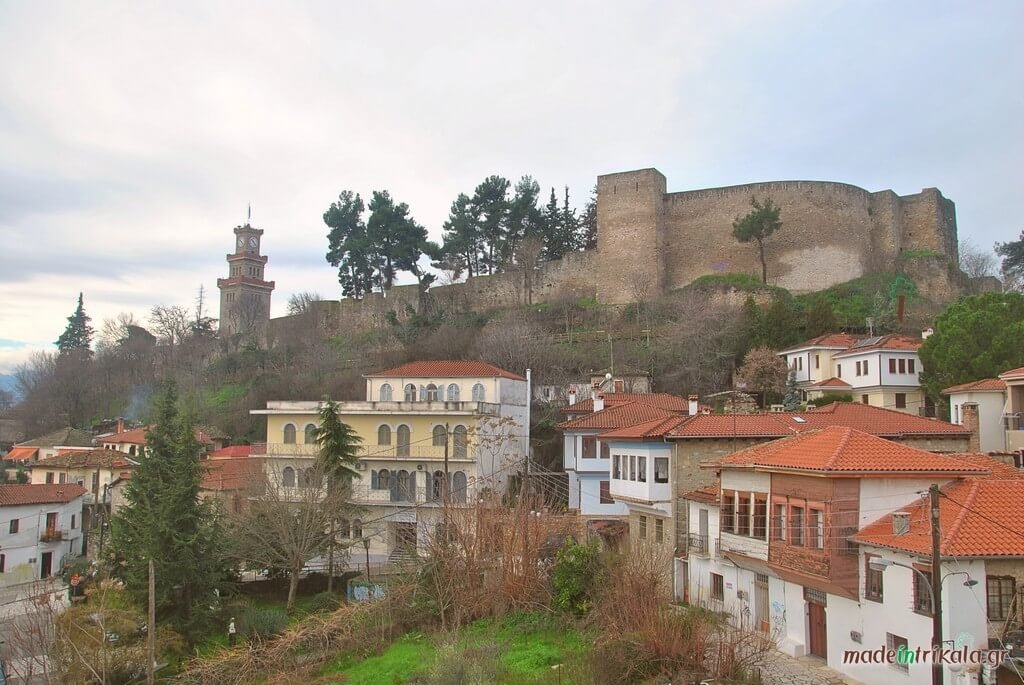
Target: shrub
column 323, row 602
column 260, row 623
column 478, row 665
column 576, row 567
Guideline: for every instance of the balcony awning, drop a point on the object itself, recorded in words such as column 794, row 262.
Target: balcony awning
column 21, row 454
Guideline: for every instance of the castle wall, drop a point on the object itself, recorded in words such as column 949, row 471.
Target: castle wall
column 826, row 236
column 929, row 223
column 630, row 234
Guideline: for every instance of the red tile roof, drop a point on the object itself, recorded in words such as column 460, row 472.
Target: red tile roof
column 447, row 369
column 622, row 416
column 21, row 454
column 97, row 458
column 978, row 517
column 137, row 436
column 662, row 400
column 831, row 383
column 709, row 494
column 235, row 473
column 886, row 342
column 879, row 421
column 13, row 495
column 841, row 449
column 984, row 385
column 654, row 429
column 1013, row 374
column 231, row 451
column 833, row 340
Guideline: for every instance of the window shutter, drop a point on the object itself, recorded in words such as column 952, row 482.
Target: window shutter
column 373, row 480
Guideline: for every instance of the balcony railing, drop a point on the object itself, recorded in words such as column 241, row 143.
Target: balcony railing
column 414, row 452
column 53, row 535
column 698, row 544
column 418, row 494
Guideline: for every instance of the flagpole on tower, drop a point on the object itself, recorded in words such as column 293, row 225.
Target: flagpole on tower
column 248, row 215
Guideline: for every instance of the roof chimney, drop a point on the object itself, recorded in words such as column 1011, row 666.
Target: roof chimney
column 572, row 396
column 927, row 333
column 120, row 425
column 900, row 522
column 599, row 403
column 969, row 412
column 694, row 407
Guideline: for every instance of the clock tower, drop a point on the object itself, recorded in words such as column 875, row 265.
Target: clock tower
column 244, row 294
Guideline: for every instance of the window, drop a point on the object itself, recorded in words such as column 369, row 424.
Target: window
column 606, row 492
column 432, row 395
column 437, row 486
column 727, row 511
column 410, row 393
column 310, row 434
column 839, row 370
column 383, row 479
column 288, row 477
column 956, row 413
column 1000, row 592
column 344, row 528
column 49, row 476
column 760, row 530
column 62, row 478
column 910, row 366
column 865, row 365
column 460, row 441
column 923, row 593
column 478, row 392
column 51, row 521
column 643, row 528
column 659, row 530
column 897, row 643
column 12, row 527
column 589, row 447
column 661, row 469
column 856, row 369
column 796, row 525
column 632, row 467
column 641, row 469
column 872, row 580
column 289, row 434
column 816, row 531
column 357, row 528
column 73, row 521
column 406, row 486
column 619, row 385
column 901, row 400
column 779, row 522
column 604, row 449
column 385, row 392
column 3, row 562
column 743, row 514
column 440, row 436
column 453, row 393
column 459, row 488
column 817, row 361
column 799, row 363
column 384, row 435
column 404, row 441
column 615, row 466
column 717, row 587
column 864, row 399
column 903, row 365
column 892, row 365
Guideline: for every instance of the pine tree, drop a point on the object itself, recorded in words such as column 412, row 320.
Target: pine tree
column 77, row 337
column 588, row 222
column 821, row 319
column 461, row 238
column 791, row 400
column 490, row 207
column 551, row 222
column 757, row 226
column 348, row 245
column 165, row 521
column 570, row 226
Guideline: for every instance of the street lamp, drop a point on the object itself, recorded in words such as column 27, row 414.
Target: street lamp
column 879, row 564
column 366, row 546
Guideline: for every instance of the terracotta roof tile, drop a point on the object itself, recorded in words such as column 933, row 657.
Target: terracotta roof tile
column 986, row 384
column 662, row 400
column 231, row 451
column 831, row 383
column 97, row 458
column 833, row 340
column 65, row 437
column 233, row 473
column 1012, row 374
column 886, row 342
column 447, row 369
column 137, row 436
column 654, row 429
column 841, row 449
column 622, row 416
column 709, row 494
column 14, row 495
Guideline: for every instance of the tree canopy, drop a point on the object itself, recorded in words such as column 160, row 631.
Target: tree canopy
column 77, row 337
column 976, row 337
column 757, row 225
column 349, row 247
column 1012, row 267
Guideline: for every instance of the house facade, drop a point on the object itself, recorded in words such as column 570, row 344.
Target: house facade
column 50, row 445
column 417, row 420
column 1013, row 414
column 40, row 531
column 988, row 398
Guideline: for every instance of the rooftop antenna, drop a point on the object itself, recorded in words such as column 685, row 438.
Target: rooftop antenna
column 248, row 215
column 871, row 325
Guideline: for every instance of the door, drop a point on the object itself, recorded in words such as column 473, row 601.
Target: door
column 761, row 620
column 405, row 537
column 817, row 644
column 46, row 565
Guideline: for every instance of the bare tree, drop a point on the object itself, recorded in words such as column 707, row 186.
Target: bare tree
column 976, row 263
column 641, row 286
column 514, row 343
column 527, row 256
column 763, row 371
column 170, row 323
column 114, row 332
column 302, row 303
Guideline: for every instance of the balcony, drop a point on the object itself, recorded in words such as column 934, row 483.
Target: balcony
column 53, row 535
column 416, row 407
column 416, row 452
column 419, row 494
column 697, row 544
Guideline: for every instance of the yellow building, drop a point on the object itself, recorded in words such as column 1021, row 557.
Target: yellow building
column 413, row 415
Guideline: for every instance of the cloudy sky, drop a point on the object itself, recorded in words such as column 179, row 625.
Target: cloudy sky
column 133, row 135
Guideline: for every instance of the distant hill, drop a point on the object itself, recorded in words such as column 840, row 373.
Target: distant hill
column 8, row 382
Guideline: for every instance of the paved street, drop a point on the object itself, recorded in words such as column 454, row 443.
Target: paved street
column 780, row 669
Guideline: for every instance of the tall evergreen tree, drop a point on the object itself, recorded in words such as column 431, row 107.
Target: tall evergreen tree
column 552, row 232
column 461, row 237
column 1012, row 266
column 397, row 241
column 490, row 206
column 791, row 400
column 570, row 225
column 164, row 521
column 757, row 225
column 588, row 222
column 821, row 319
column 77, row 337
column 524, row 217
column 349, row 247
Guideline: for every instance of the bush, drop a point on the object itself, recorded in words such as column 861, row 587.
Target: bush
column 261, row 623
column 479, row 665
column 323, row 602
column 829, row 398
column 574, row 576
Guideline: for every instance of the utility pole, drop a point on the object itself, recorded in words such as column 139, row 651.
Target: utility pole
column 933, row 495
column 447, row 482
column 151, row 628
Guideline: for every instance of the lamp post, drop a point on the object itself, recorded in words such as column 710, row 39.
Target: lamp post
column 366, row 546
column 879, row 564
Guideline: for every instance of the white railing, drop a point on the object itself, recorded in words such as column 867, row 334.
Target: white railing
column 411, row 452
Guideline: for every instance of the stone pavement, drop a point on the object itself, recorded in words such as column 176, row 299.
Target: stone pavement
column 780, row 669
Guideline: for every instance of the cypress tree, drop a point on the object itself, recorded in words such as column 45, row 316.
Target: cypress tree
column 77, row 337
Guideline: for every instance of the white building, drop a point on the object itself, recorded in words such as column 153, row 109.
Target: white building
column 989, row 396
column 40, row 531
column 771, row 545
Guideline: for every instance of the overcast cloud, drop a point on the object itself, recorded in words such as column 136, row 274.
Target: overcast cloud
column 133, row 135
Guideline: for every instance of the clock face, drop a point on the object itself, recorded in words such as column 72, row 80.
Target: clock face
column 241, row 243
column 252, row 242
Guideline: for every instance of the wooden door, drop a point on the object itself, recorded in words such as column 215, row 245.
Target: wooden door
column 761, row 618
column 405, row 536
column 817, row 643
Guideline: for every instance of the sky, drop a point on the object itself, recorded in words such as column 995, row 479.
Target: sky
column 134, row 135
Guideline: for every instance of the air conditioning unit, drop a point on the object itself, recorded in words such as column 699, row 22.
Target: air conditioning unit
column 741, row 595
column 360, row 466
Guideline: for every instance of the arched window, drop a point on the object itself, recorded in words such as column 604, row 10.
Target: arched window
column 384, row 435
column 344, row 528
column 410, row 393
column 432, row 393
column 404, row 441
column 460, row 442
column 406, row 487
column 310, row 437
column 307, row 478
column 453, row 393
column 459, row 486
column 288, row 477
column 423, row 393
column 385, row 392
column 478, row 392
column 440, row 436
column 289, row 434
column 383, row 479
column 437, row 486
column 357, row 528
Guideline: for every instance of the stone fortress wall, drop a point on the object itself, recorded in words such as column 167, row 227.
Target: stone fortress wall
column 651, row 239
